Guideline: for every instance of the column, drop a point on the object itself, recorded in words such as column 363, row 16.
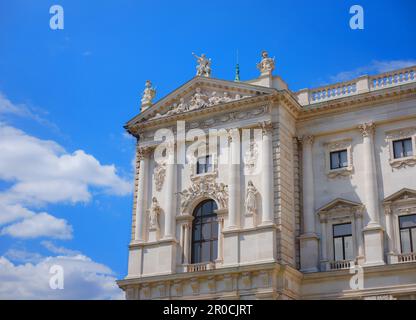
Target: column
column 220, row 239
column 141, row 197
column 308, row 187
column 267, row 174
column 186, row 245
column 359, row 235
column 309, row 249
column 234, row 179
column 170, row 201
column 324, row 260
column 373, row 233
column 370, row 175
column 391, row 249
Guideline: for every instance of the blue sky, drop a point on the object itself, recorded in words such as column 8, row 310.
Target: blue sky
column 73, row 89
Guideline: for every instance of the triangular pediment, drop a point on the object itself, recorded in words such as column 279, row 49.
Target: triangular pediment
column 200, row 93
column 403, row 194
column 338, row 204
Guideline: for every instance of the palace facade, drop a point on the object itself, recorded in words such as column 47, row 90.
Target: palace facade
column 306, row 195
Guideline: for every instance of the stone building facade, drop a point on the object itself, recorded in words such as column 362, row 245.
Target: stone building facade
column 304, row 195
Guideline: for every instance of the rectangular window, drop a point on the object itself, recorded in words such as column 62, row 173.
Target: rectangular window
column 402, row 148
column 343, row 244
column 339, row 159
column 408, row 233
column 204, row 165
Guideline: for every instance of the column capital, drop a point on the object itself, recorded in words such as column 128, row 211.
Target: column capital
column 367, row 129
column 323, row 217
column 387, row 209
column 266, row 127
column 306, row 139
column 233, row 134
column 359, row 212
column 143, row 152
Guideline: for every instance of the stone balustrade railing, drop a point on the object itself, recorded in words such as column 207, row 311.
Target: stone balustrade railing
column 200, row 267
column 340, row 264
column 360, row 85
column 407, row 257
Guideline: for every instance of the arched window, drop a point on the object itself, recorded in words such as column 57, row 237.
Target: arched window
column 204, row 232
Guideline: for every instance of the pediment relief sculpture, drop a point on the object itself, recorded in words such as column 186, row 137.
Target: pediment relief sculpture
column 199, row 100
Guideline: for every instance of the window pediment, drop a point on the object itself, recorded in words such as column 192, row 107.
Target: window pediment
column 404, row 194
column 339, row 209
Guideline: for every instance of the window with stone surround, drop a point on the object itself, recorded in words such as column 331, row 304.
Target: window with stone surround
column 402, row 146
column 338, row 158
column 400, row 213
column 205, row 233
column 407, row 225
column 341, row 236
column 343, row 244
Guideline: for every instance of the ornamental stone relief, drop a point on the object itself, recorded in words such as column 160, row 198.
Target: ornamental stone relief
column 200, row 100
column 251, row 158
column 159, row 173
column 205, row 187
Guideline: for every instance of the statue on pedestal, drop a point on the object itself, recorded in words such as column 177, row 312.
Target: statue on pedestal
column 266, row 65
column 148, row 95
column 203, row 69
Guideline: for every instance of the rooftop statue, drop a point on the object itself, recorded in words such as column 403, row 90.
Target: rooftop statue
column 203, row 69
column 148, row 95
column 267, row 64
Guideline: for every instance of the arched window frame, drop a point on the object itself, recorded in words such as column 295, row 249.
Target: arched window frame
column 197, row 239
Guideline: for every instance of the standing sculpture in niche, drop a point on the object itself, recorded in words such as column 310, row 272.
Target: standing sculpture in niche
column 251, row 203
column 154, row 213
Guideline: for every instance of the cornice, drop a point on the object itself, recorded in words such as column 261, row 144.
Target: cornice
column 195, row 115
column 223, row 271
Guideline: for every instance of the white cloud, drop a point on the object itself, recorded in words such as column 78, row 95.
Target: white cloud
column 59, row 250
column 23, row 256
column 9, row 213
column 36, row 173
column 41, row 172
column 44, row 172
column 373, row 68
column 83, row 279
column 39, row 225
